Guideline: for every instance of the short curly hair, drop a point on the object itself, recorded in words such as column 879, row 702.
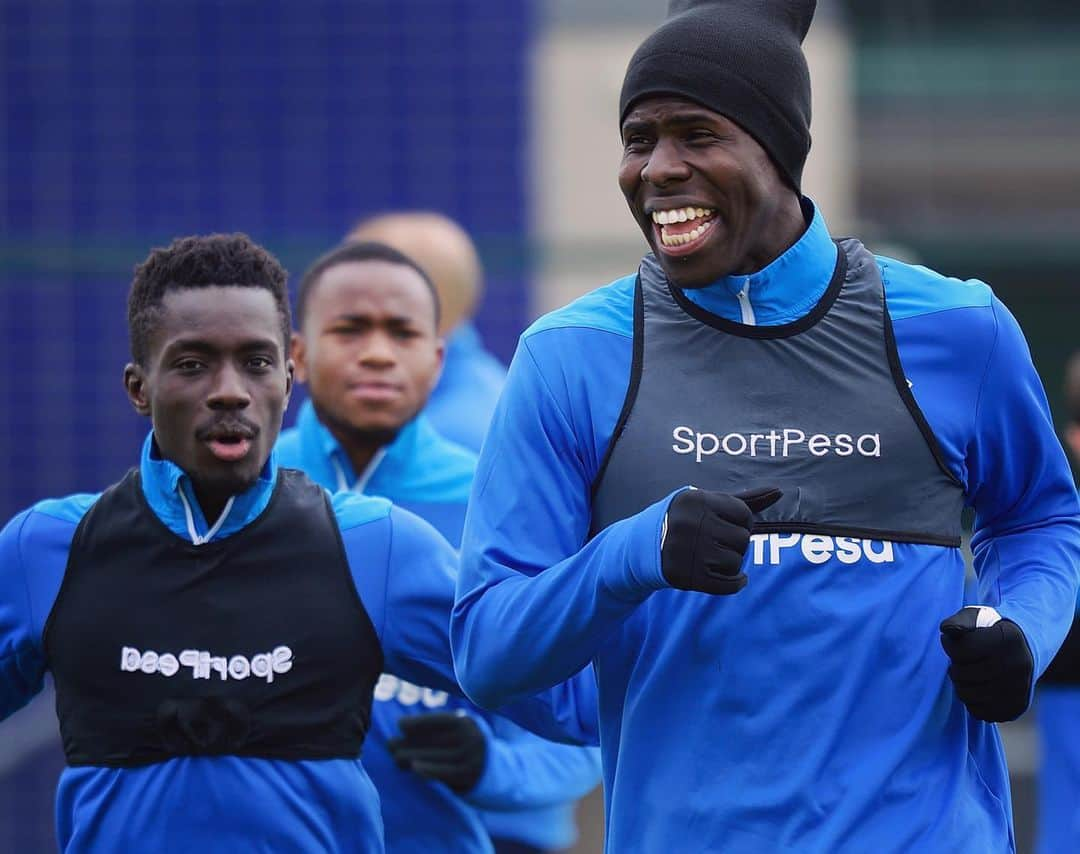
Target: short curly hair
column 198, row 262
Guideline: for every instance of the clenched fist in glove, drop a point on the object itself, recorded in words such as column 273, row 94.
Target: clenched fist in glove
column 705, row 538
column 443, row 746
column 992, row 667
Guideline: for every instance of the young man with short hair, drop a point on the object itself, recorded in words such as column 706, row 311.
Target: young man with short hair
column 461, row 404
column 215, row 625
column 368, row 348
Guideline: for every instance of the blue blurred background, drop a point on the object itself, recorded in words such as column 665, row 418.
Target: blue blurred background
column 127, row 123
column 946, row 132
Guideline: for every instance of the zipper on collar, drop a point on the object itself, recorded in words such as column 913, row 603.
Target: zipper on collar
column 343, row 484
column 197, row 538
column 339, row 473
column 746, row 309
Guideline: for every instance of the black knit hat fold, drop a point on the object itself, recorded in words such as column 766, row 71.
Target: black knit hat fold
column 740, row 58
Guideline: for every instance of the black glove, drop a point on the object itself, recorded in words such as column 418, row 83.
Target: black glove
column 992, row 667
column 443, row 746
column 706, row 537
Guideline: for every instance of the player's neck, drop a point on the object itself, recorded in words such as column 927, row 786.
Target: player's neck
column 362, row 446
column 212, row 501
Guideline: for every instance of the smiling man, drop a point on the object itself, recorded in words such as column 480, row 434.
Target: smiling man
column 215, row 626
column 782, row 655
column 369, row 349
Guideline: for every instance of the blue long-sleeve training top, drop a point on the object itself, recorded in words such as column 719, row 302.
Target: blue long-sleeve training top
column 527, row 780
column 228, row 803
column 826, row 724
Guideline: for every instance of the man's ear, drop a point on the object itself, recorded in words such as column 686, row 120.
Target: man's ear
column 298, row 354
column 440, row 355
column 290, row 374
column 135, row 386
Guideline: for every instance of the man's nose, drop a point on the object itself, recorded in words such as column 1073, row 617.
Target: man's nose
column 229, row 391
column 379, row 352
column 665, row 165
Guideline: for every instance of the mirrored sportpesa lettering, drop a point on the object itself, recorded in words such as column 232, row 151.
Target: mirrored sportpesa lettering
column 392, row 688
column 203, row 664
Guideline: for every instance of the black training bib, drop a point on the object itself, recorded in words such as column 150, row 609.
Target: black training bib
column 253, row 645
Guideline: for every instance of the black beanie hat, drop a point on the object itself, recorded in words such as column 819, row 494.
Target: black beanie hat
column 740, row 58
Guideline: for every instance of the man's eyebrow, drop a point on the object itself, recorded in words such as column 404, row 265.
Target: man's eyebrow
column 403, row 320
column 694, row 117
column 349, row 317
column 636, row 124
column 683, row 117
column 393, row 320
column 202, row 345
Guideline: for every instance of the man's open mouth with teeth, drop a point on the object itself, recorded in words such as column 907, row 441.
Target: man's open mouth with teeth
column 680, row 231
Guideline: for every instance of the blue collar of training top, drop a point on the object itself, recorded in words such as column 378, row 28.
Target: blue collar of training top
column 169, row 493
column 419, row 465
column 785, row 290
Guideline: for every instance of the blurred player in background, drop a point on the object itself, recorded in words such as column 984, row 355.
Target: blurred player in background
column 1058, row 709
column 464, row 398
column 783, row 656
column 460, row 408
column 215, row 626
column 369, row 349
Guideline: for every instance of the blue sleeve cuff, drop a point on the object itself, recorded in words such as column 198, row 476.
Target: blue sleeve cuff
column 644, row 570
column 487, row 787
column 526, row 772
